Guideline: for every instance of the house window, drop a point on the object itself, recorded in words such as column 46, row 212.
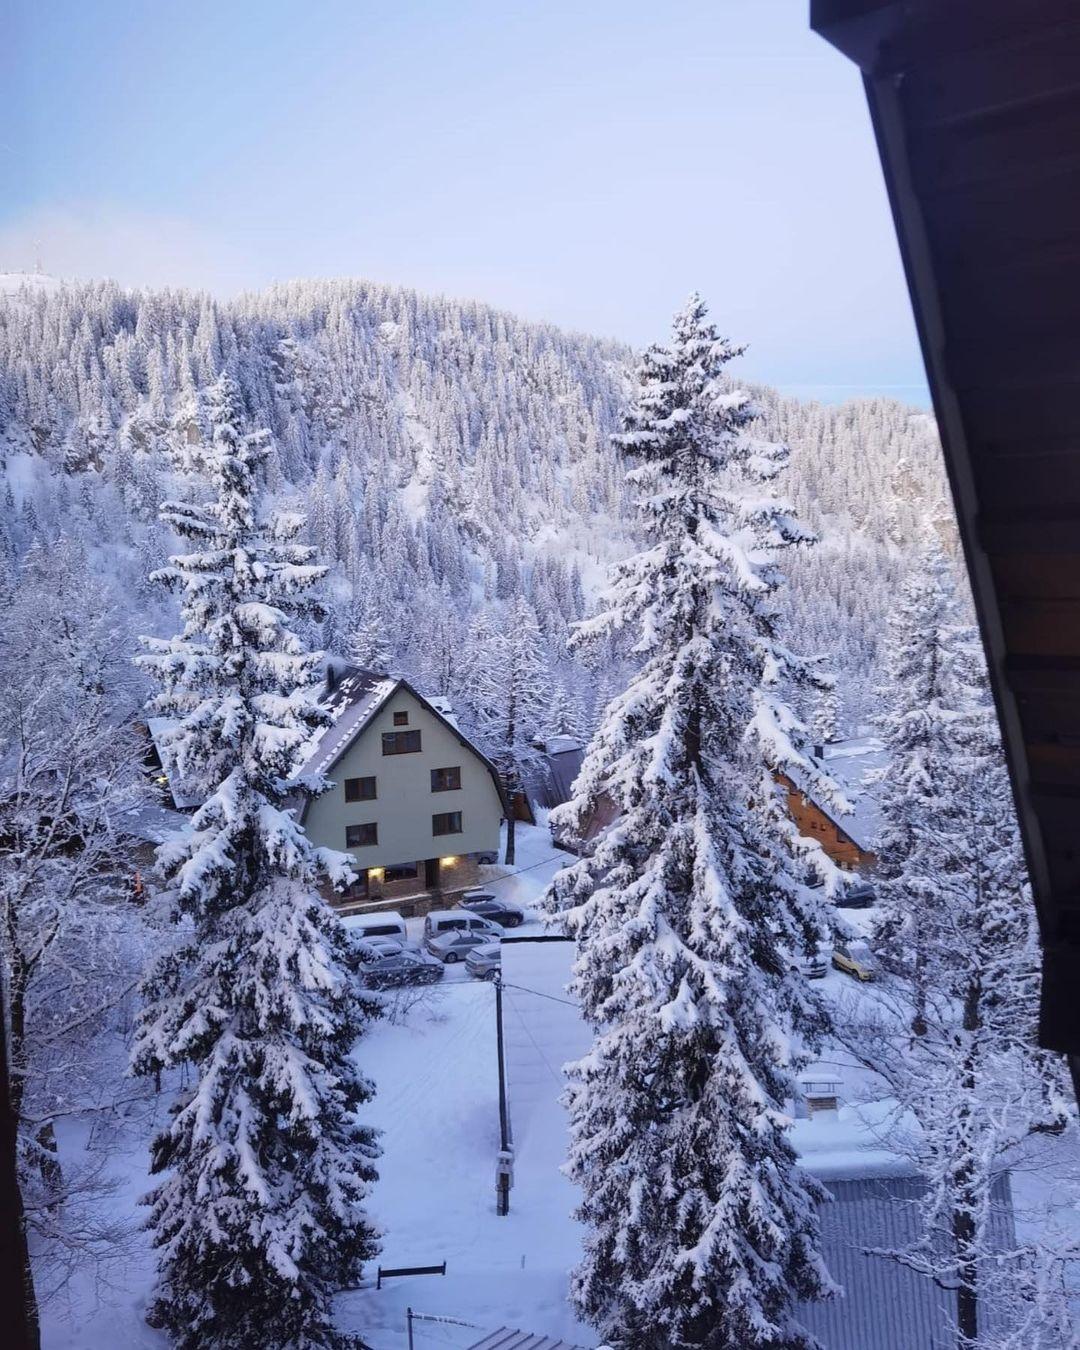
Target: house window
column 402, row 872
column 358, row 889
column 446, row 780
column 359, row 789
column 401, row 719
column 359, row 836
column 400, row 742
column 447, row 822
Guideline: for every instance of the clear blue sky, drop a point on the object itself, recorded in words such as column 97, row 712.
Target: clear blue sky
column 588, row 163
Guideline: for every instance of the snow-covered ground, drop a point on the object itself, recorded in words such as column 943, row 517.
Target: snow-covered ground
column 435, row 1068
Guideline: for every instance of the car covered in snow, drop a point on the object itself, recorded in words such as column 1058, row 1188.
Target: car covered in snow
column 455, row 944
column 855, row 958
column 858, row 895
column 484, row 962
column 384, row 946
column 394, row 970
column 815, row 966
column 387, row 923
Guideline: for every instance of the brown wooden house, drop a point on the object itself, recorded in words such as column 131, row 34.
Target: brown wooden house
column 833, row 834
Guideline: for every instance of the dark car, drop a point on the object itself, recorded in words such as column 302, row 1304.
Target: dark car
column 396, row 969
column 503, row 912
column 859, row 895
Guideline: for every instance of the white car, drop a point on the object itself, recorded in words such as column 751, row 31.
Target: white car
column 484, row 962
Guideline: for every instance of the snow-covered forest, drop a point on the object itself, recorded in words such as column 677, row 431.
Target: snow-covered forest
column 452, row 460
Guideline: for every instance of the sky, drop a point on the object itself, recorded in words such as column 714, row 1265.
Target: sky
column 587, row 163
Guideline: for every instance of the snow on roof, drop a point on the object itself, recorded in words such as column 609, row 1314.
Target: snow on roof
column 562, row 745
column 508, row 1339
column 851, row 763
column 886, row 1304
column 352, row 700
column 152, row 823
column 183, row 798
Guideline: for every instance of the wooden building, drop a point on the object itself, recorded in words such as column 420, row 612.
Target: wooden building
column 838, row 836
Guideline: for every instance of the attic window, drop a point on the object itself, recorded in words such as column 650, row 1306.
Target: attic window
column 401, row 719
column 446, row 780
column 400, row 742
column 359, row 789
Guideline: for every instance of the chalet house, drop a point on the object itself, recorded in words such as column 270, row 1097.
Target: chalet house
column 414, row 802
column 845, row 839
column 839, row 836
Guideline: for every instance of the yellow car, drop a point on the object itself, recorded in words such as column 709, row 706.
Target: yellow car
column 855, row 959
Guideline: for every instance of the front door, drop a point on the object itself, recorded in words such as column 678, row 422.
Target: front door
column 431, row 874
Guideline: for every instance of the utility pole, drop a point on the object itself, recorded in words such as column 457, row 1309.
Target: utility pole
column 504, row 1167
column 408, row 1323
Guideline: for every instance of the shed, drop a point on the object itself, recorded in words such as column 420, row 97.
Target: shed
column 506, row 1338
column 885, row 1304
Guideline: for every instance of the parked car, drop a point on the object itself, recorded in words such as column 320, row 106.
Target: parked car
column 459, row 920
column 815, row 966
column 392, row 970
column 484, row 962
column 503, row 912
column 856, row 959
column 859, row 895
column 387, row 924
column 455, row 945
column 384, row 946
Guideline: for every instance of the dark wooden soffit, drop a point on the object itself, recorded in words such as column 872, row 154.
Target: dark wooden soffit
column 976, row 109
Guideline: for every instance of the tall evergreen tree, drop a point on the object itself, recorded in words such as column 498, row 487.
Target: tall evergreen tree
column 259, row 1214
column 917, row 730
column 972, row 1089
column 513, row 691
column 689, row 919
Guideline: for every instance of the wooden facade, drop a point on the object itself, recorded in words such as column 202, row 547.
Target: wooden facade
column 816, row 823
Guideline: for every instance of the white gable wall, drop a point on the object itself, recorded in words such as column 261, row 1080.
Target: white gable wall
column 405, row 802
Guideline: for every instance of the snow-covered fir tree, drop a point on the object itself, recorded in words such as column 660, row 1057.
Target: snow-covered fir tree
column 513, row 699
column 701, row 1229
column 824, row 716
column 259, row 1214
column 953, row 1033
column 917, row 732
column 364, row 640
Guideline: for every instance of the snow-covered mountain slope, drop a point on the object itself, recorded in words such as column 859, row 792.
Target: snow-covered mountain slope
column 448, row 455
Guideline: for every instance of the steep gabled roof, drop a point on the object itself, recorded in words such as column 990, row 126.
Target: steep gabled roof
column 353, row 697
